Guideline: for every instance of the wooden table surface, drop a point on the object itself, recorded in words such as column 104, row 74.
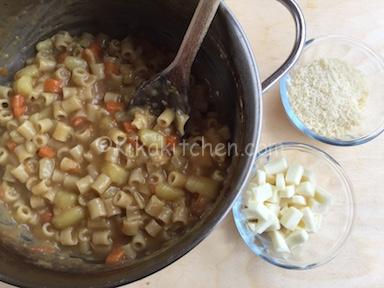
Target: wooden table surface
column 222, row 260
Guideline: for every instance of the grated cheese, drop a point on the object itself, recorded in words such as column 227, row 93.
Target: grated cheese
column 328, row 96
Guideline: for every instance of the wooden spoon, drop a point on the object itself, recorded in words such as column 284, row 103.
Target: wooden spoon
column 170, row 87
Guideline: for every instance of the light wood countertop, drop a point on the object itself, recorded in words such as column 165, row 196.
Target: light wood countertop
column 222, row 260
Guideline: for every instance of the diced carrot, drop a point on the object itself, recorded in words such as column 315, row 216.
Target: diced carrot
column 18, row 105
column 2, row 194
column 116, row 256
column 171, row 140
column 152, row 188
column 43, row 249
column 52, row 86
column 4, row 71
column 128, row 127
column 96, row 50
column 79, row 121
column 113, row 106
column 11, row 146
column 61, row 57
column 134, row 141
column 46, row 217
column 111, row 68
column 47, row 152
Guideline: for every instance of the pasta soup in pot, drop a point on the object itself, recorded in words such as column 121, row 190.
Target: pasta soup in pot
column 91, row 176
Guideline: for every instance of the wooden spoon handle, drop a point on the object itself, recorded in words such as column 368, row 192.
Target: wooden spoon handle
column 198, row 28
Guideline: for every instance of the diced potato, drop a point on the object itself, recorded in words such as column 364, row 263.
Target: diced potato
column 64, row 199
column 118, row 174
column 68, row 218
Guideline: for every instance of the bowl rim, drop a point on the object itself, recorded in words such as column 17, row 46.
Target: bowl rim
column 246, row 235
column 296, row 120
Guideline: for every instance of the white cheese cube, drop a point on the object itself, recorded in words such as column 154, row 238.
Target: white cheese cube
column 279, row 245
column 275, row 198
column 252, row 226
column 309, row 220
column 323, row 197
column 297, row 238
column 314, row 205
column 275, row 223
column 276, row 166
column 260, row 177
column 288, row 191
column 298, row 200
column 283, row 210
column 262, row 192
column 280, row 181
column 248, row 197
column 290, row 218
column 249, row 214
column 273, row 208
column 306, row 189
column 309, row 175
column 294, row 174
column 261, row 226
column 257, row 211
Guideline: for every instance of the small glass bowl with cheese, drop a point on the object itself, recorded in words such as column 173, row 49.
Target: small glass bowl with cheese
column 296, row 211
column 334, row 92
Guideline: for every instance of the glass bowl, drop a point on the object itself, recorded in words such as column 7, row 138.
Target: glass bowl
column 323, row 245
column 370, row 64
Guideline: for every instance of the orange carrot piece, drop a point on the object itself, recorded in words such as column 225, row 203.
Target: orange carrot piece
column 134, row 141
column 128, row 127
column 52, row 86
column 18, row 105
column 4, row 72
column 46, row 152
column 43, row 249
column 113, row 106
column 116, row 256
column 152, row 188
column 96, row 50
column 46, row 217
column 61, row 57
column 78, row 121
column 2, row 194
column 111, row 68
column 171, row 140
column 11, row 146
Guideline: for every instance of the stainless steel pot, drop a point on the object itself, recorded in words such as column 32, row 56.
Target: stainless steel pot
column 225, row 59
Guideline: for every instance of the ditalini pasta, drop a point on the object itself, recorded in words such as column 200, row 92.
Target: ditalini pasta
column 90, row 175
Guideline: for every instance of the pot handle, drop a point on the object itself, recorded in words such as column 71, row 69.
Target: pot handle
column 298, row 16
